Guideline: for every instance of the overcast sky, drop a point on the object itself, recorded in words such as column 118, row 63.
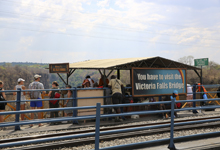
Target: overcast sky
column 53, row 31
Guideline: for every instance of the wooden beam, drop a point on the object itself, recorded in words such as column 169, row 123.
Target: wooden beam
column 109, row 73
column 62, row 78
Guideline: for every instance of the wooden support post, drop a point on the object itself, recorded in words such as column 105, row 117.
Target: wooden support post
column 118, row 74
column 14, row 110
column 104, row 79
column 184, row 105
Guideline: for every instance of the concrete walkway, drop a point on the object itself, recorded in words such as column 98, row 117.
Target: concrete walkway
column 203, row 144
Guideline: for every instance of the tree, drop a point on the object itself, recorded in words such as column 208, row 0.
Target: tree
column 186, row 60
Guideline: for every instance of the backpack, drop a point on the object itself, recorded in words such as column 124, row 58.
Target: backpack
column 34, row 94
column 56, row 95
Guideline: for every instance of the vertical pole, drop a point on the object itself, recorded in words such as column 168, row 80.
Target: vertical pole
column 194, row 97
column 171, row 145
column 201, row 77
column 104, row 79
column 18, row 108
column 104, row 92
column 67, row 78
column 97, row 126
column 201, row 95
column 75, row 105
column 131, row 77
column 118, row 74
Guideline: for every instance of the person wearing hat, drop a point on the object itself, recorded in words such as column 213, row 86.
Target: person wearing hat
column 20, row 85
column 174, row 95
column 36, row 95
column 169, row 98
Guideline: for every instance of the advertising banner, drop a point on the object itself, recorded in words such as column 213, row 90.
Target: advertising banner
column 158, row 81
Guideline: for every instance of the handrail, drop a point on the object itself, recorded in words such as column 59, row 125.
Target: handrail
column 98, row 116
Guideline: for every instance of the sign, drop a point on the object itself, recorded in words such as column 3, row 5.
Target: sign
column 201, row 62
column 59, row 68
column 158, row 81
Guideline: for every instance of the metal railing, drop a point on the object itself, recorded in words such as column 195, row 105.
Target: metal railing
column 99, row 116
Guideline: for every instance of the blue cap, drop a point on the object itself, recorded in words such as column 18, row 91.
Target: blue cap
column 175, row 92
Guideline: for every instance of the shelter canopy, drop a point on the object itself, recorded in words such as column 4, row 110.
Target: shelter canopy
column 128, row 63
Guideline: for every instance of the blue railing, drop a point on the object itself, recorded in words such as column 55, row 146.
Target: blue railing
column 99, row 116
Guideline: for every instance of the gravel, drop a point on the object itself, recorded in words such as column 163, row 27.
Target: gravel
column 141, row 139
column 125, row 140
column 138, row 139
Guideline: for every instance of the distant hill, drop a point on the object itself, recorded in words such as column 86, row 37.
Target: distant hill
column 29, row 64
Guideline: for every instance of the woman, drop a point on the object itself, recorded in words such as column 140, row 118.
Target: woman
column 21, row 86
column 68, row 103
column 101, row 81
column 2, row 105
column 88, row 82
column 54, row 103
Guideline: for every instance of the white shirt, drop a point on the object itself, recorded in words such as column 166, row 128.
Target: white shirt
column 189, row 90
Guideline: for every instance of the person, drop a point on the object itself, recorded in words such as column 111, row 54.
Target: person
column 116, row 85
column 163, row 107
column 101, row 81
column 69, row 102
column 174, row 95
column 2, row 105
column 168, row 106
column 189, row 94
column 54, row 103
column 88, row 82
column 21, row 86
column 36, row 95
column 96, row 85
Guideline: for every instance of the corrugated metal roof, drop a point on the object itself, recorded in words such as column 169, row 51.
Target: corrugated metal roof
column 105, row 63
column 128, row 63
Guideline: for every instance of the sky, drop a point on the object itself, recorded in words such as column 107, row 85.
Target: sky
column 59, row 31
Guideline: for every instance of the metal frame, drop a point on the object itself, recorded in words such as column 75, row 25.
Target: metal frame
column 98, row 116
column 155, row 62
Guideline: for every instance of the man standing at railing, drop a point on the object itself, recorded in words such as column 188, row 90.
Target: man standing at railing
column 36, row 95
column 116, row 85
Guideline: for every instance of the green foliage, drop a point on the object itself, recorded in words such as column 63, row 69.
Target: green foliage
column 30, row 64
column 10, row 74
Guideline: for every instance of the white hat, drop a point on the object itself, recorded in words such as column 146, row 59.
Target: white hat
column 20, row 79
column 37, row 76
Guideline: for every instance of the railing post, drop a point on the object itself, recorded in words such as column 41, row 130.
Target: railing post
column 18, row 103
column 75, row 105
column 171, row 145
column 194, row 97
column 97, row 125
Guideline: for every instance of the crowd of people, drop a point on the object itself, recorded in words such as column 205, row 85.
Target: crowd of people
column 36, row 84
column 118, row 97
